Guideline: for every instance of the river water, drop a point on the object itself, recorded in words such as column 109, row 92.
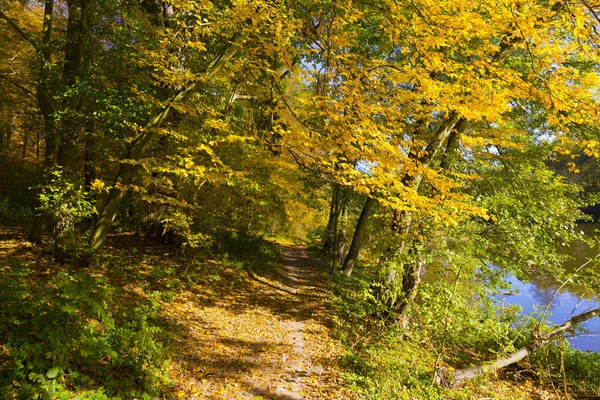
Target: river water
column 537, row 293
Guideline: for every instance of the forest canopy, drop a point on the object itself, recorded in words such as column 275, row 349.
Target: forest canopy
column 402, row 136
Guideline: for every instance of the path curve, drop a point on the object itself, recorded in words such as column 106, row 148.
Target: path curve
column 267, row 338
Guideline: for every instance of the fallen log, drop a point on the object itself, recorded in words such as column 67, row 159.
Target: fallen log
column 455, row 378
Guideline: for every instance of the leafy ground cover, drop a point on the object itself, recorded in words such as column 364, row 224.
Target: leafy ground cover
column 248, row 320
column 150, row 321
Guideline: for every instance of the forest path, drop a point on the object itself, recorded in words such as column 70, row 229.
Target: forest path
column 266, row 340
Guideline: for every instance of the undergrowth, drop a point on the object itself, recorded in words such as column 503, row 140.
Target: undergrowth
column 69, row 334
column 451, row 331
column 103, row 332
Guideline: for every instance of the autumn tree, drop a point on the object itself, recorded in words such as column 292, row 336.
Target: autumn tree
column 399, row 92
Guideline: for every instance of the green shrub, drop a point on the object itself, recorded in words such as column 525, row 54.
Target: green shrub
column 68, row 337
column 560, row 361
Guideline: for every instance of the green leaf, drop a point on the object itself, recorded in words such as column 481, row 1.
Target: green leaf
column 53, row 372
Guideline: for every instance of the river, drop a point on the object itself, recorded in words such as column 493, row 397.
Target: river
column 570, row 300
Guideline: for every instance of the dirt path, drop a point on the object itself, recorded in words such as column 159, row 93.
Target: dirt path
column 265, row 339
column 302, row 278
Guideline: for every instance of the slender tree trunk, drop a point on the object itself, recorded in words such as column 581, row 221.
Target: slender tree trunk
column 37, row 145
column 343, row 231
column 328, row 240
column 8, row 138
column 25, row 145
column 3, row 145
column 334, row 246
column 89, row 156
column 358, row 240
column 41, row 218
column 45, row 104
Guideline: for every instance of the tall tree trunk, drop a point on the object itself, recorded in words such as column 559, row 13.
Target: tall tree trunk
column 45, row 104
column 2, row 134
column 137, row 149
column 329, row 239
column 4, row 143
column 70, row 129
column 89, row 156
column 37, row 146
column 25, row 144
column 343, row 231
column 39, row 222
column 334, row 247
column 411, row 274
column 8, row 138
column 358, row 240
column 451, row 153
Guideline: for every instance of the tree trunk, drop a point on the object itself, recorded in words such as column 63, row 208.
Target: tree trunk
column 451, row 153
column 37, row 148
column 411, row 278
column 358, row 239
column 65, row 237
column 329, row 238
column 8, row 138
column 456, row 378
column 3, row 145
column 343, row 232
column 40, row 219
column 45, row 104
column 90, row 159
column 25, row 145
column 336, row 219
column 403, row 221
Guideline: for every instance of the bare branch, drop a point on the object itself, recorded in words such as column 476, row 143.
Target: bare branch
column 23, row 88
column 457, row 377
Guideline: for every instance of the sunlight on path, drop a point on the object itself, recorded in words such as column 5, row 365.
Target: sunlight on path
column 265, row 338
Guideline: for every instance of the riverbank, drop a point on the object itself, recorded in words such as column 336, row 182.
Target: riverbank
column 450, row 331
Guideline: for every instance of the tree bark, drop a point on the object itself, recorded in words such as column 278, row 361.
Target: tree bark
column 358, row 239
column 451, row 153
column 411, row 280
column 44, row 99
column 2, row 132
column 65, row 237
column 343, row 231
column 457, row 377
column 329, row 239
column 25, row 144
column 411, row 274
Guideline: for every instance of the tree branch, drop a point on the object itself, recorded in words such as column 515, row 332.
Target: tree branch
column 456, row 378
column 20, row 31
column 23, row 88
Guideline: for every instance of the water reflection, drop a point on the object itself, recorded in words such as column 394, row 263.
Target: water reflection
column 533, row 296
